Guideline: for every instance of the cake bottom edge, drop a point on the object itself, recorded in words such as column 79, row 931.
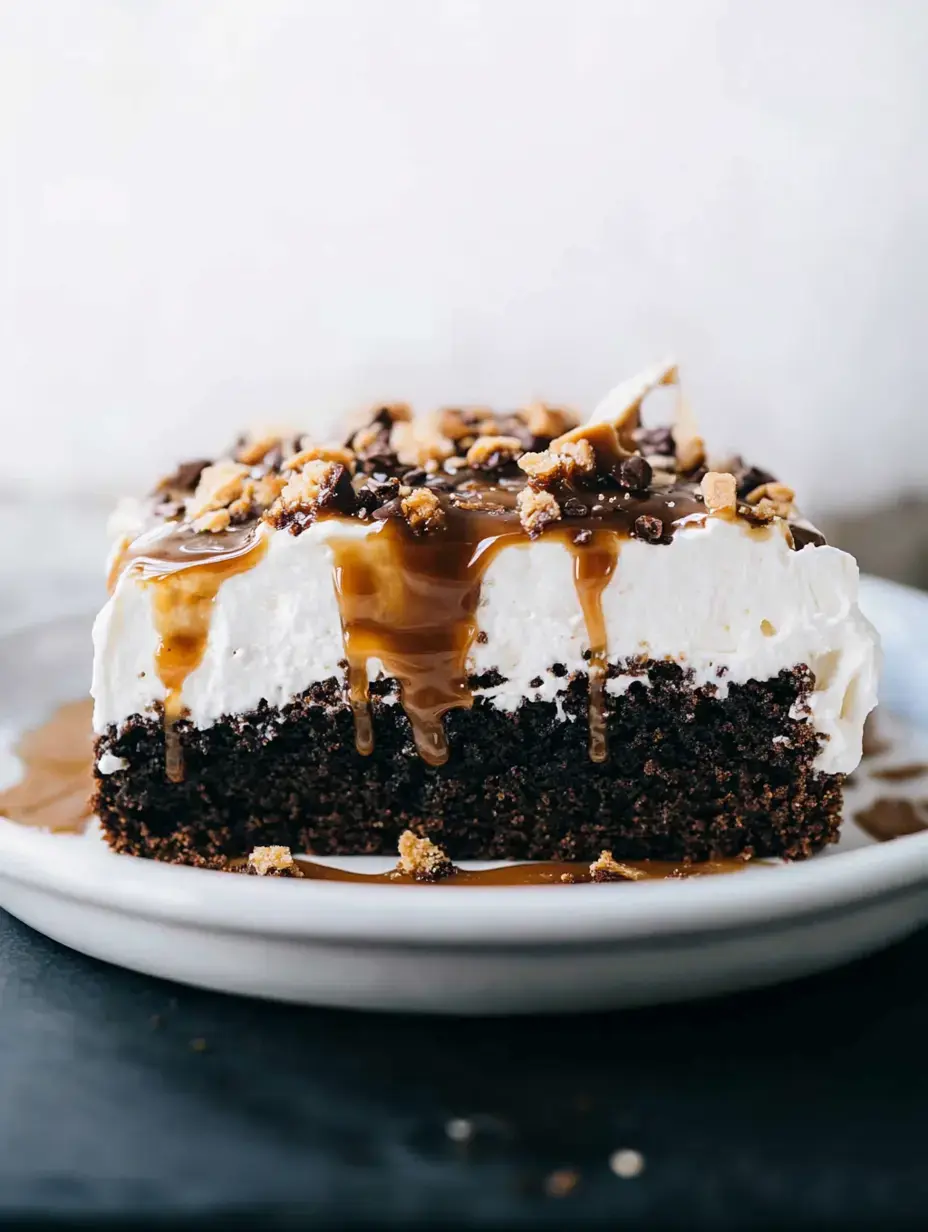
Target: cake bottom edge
column 690, row 775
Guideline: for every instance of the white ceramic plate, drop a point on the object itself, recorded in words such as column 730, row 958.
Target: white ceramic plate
column 476, row 949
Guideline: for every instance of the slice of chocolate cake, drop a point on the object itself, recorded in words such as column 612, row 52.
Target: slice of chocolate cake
column 521, row 637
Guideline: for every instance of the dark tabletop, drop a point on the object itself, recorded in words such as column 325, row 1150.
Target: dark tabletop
column 132, row 1099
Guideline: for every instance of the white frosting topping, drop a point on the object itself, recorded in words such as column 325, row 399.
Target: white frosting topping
column 726, row 603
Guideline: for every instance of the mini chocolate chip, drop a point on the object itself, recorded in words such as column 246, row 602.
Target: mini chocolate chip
column 536, row 683
column 482, row 638
column 635, row 474
column 559, row 669
column 649, row 528
column 598, row 509
column 415, row 477
column 392, row 509
column 583, row 536
column 574, row 508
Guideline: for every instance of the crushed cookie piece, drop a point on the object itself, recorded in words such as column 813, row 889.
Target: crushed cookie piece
column 464, row 424
column 543, row 420
column 214, row 521
column 422, row 859
column 419, row 441
column 218, row 486
column 369, row 438
column 318, row 485
column 536, row 510
column 635, row 474
column 543, row 469
column 254, row 449
column 272, row 862
column 319, row 453
column 257, row 496
column 777, row 496
column 719, row 491
column 608, row 869
column 489, row 452
column 422, row 510
column 649, row 528
column 577, row 457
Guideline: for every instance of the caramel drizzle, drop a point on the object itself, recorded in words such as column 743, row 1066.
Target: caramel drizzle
column 411, row 605
column 185, row 570
column 407, row 603
column 594, row 565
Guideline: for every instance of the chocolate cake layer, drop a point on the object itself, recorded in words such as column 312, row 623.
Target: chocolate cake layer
column 688, row 775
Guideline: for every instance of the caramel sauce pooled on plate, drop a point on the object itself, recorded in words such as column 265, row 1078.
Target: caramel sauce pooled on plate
column 540, row 872
column 54, row 792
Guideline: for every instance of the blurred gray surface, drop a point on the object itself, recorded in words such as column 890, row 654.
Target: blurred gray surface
column 890, row 542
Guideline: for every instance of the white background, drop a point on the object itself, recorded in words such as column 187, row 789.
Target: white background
column 216, row 213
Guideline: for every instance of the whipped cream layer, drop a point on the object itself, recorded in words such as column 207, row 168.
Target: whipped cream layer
column 720, row 599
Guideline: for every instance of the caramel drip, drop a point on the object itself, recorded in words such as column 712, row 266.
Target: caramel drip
column 185, row 570
column 541, row 872
column 54, row 792
column 594, row 565
column 410, row 603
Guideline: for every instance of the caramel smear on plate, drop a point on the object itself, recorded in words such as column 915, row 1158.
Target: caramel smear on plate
column 54, row 792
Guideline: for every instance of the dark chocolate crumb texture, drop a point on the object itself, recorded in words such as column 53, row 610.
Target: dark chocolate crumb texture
column 640, row 757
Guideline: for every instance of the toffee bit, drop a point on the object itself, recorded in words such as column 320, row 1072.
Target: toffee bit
column 318, row 486
column 577, row 457
column 214, row 521
column 272, row 862
column 422, row 510
column 254, row 449
column 218, row 486
column 777, row 496
column 608, row 869
column 320, row 453
column 719, row 491
column 546, row 421
column 417, row 442
column 422, row 859
column 543, row 469
column 490, row 452
column 536, row 511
